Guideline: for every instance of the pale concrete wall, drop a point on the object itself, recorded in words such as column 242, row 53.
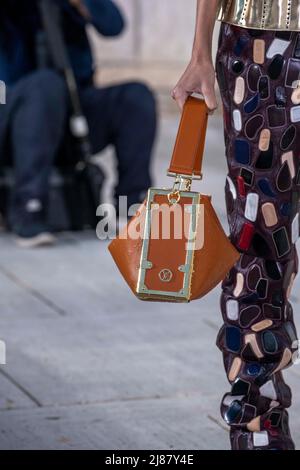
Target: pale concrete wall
column 155, row 46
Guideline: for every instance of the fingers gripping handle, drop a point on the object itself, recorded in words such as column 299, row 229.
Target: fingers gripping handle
column 189, row 146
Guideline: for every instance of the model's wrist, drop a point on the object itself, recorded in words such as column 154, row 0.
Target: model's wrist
column 201, row 57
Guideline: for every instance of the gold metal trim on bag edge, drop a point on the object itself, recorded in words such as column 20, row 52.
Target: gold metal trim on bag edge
column 184, row 294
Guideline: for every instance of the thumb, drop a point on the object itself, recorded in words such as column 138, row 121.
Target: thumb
column 210, row 99
column 180, row 96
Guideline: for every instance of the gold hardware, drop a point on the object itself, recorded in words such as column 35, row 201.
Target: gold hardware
column 165, row 275
column 184, row 268
column 186, row 184
column 143, row 291
column 190, row 177
column 174, row 197
column 181, row 183
column 145, row 264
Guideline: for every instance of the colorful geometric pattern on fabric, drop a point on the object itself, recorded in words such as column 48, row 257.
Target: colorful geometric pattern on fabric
column 259, row 78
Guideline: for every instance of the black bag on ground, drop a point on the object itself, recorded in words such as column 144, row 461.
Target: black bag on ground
column 82, row 179
column 71, row 198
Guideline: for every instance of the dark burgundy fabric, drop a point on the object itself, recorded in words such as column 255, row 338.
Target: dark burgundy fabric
column 262, row 197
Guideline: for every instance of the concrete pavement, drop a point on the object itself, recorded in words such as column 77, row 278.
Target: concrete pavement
column 91, row 367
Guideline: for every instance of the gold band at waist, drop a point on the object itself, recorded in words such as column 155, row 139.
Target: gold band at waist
column 261, row 14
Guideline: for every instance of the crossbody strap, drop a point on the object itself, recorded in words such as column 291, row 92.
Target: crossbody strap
column 189, row 146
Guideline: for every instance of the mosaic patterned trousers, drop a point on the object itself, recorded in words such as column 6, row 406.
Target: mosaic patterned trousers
column 258, row 73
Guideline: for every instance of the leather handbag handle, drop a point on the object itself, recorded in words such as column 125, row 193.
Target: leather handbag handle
column 189, row 146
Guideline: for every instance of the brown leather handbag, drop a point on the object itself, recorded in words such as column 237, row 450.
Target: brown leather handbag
column 174, row 249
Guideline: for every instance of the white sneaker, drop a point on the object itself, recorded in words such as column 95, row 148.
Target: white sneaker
column 41, row 239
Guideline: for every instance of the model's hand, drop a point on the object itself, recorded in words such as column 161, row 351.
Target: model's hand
column 199, row 77
column 80, row 6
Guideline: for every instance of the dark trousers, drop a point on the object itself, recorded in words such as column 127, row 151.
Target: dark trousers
column 34, row 120
column 262, row 135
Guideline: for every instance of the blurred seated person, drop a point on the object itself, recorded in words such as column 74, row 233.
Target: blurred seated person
column 34, row 119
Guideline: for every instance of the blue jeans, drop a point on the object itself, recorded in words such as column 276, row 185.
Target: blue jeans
column 34, row 120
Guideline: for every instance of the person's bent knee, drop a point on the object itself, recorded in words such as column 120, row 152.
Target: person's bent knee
column 140, row 95
column 46, row 82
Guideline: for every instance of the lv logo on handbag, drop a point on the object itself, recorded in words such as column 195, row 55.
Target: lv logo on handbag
column 174, row 249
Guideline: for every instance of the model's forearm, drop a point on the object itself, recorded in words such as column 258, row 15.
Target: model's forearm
column 199, row 76
column 205, row 21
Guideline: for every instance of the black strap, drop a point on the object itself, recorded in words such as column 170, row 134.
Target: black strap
column 52, row 19
column 51, row 15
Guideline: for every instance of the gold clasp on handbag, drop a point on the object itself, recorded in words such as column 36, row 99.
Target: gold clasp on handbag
column 181, row 183
column 174, row 197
